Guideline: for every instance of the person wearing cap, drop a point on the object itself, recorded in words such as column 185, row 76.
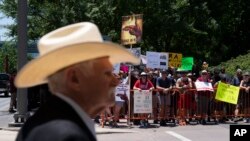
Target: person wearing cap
column 204, row 77
column 77, row 65
column 237, row 78
column 143, row 84
column 164, row 85
column 204, row 97
column 245, row 87
column 245, row 82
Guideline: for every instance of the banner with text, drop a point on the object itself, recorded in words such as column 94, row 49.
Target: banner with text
column 157, row 60
column 175, row 59
column 142, row 101
column 204, row 86
column 131, row 32
column 120, row 91
column 227, row 93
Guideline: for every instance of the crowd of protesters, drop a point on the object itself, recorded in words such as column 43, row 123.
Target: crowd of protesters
column 163, row 82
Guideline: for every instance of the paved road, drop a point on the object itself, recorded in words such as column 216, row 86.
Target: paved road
column 179, row 133
column 5, row 116
column 218, row 132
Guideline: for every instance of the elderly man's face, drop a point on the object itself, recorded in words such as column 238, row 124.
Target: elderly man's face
column 98, row 88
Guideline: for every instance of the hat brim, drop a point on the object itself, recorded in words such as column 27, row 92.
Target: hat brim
column 37, row 70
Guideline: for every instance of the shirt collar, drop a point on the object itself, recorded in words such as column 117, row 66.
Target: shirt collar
column 83, row 115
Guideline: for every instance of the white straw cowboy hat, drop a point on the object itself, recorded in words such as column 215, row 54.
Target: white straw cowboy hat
column 67, row 46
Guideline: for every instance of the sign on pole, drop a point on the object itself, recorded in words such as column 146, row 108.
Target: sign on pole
column 142, row 101
column 227, row 93
column 131, row 32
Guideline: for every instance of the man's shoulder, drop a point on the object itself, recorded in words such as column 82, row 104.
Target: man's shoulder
column 58, row 130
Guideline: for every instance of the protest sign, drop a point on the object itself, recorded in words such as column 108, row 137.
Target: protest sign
column 175, row 60
column 204, row 86
column 227, row 93
column 142, row 101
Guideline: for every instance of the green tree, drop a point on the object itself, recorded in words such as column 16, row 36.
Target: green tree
column 8, row 50
column 213, row 31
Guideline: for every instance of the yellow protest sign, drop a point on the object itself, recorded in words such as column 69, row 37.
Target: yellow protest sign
column 174, row 60
column 227, row 93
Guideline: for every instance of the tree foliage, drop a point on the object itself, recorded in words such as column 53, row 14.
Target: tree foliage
column 8, row 50
column 212, row 31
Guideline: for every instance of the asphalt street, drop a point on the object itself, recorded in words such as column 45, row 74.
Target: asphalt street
column 219, row 132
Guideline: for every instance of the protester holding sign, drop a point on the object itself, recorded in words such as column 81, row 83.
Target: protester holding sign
column 204, row 97
column 120, row 96
column 143, row 84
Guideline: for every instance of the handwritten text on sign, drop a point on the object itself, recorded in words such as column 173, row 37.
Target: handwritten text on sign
column 142, row 101
column 227, row 93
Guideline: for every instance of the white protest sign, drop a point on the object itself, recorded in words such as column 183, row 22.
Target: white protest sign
column 204, row 86
column 121, row 89
column 163, row 61
column 142, row 101
column 153, row 59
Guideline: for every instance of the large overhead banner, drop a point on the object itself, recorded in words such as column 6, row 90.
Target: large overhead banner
column 131, row 32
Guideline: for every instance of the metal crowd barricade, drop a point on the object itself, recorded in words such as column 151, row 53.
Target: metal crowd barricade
column 243, row 105
column 193, row 105
column 169, row 102
column 185, row 105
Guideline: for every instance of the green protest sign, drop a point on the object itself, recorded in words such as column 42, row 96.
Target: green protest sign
column 227, row 93
column 186, row 64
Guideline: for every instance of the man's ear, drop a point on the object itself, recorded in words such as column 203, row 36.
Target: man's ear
column 73, row 77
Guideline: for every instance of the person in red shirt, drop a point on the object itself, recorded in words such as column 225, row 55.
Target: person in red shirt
column 143, row 83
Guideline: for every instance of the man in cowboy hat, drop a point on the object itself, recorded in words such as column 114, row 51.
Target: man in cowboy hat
column 77, row 66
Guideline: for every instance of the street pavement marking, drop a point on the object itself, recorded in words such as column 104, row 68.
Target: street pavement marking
column 182, row 138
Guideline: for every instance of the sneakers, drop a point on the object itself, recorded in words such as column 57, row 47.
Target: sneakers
column 96, row 120
column 144, row 124
column 155, row 121
column 12, row 111
column 163, row 123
